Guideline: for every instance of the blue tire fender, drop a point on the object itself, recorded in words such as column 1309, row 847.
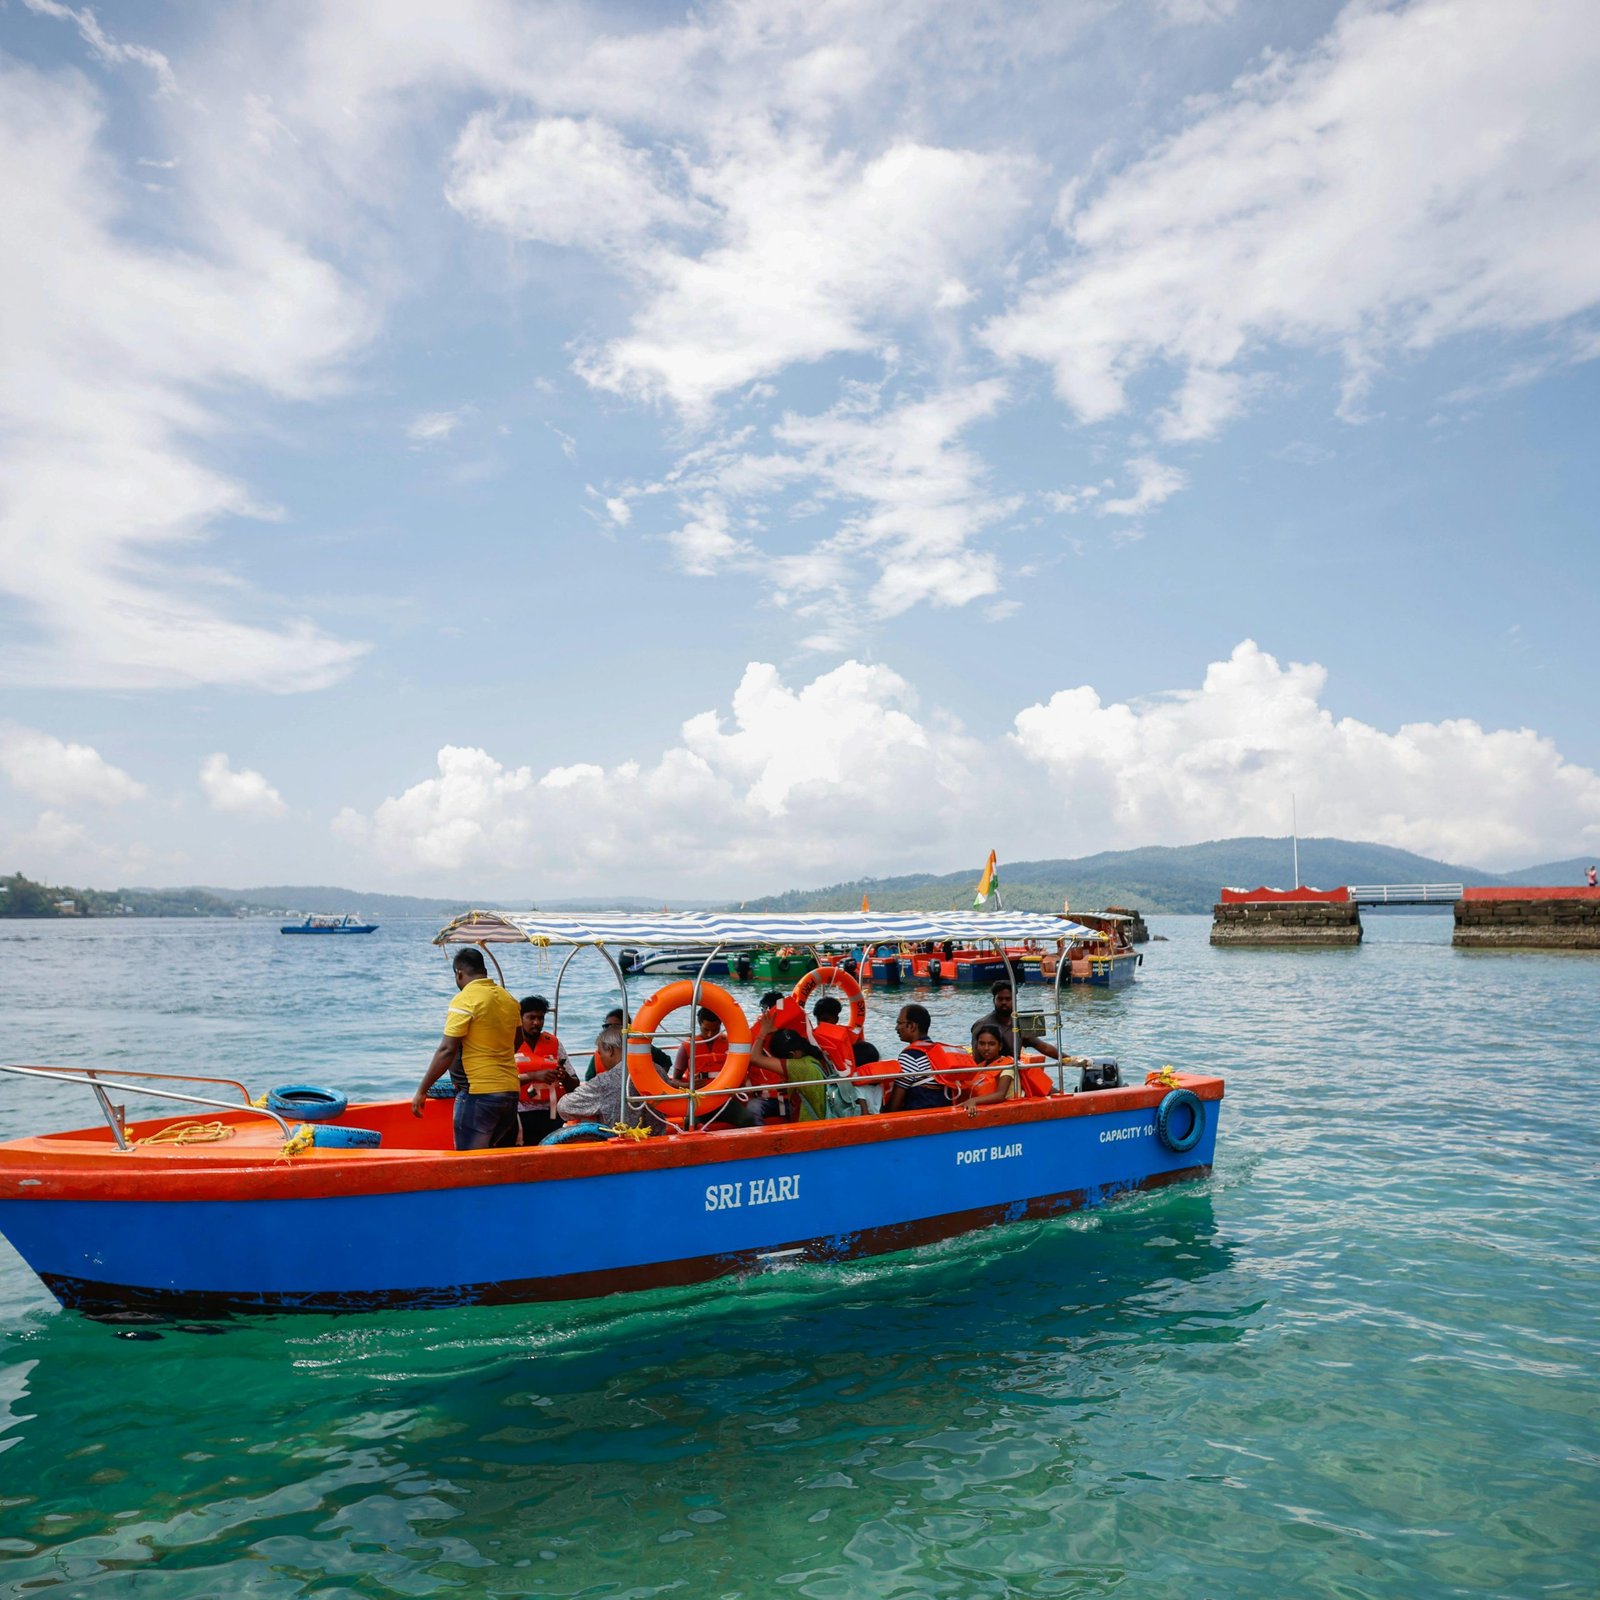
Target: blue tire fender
column 575, row 1131
column 307, row 1102
column 1180, row 1106
column 326, row 1138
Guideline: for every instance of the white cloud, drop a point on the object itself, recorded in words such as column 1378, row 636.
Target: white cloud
column 754, row 800
column 62, row 774
column 434, row 427
column 1426, row 171
column 1221, row 761
column 106, row 48
column 911, row 497
column 813, row 253
column 244, row 793
column 116, row 352
column 561, row 181
column 746, row 797
column 1154, row 484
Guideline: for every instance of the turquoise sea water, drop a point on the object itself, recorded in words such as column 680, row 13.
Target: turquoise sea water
column 1360, row 1361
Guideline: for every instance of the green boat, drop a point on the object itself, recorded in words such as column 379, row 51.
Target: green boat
column 780, row 968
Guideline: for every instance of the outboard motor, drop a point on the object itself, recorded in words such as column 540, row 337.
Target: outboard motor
column 1100, row 1072
column 743, row 968
column 935, row 970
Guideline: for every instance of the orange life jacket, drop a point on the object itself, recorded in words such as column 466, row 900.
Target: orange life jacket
column 946, row 1062
column 1033, row 1081
column 709, row 1056
column 837, row 1042
column 545, row 1051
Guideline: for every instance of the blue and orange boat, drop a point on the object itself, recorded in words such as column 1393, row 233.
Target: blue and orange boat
column 372, row 1207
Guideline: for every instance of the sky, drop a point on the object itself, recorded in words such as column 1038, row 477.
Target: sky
column 584, row 449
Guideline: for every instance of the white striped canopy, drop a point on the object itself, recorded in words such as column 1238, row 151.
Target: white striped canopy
column 708, row 929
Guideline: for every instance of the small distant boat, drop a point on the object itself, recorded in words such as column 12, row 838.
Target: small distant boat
column 1110, row 961
column 329, row 924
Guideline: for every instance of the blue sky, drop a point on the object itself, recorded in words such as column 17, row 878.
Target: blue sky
column 533, row 451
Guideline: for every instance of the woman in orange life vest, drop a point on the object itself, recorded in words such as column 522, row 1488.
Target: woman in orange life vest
column 765, row 1068
column 1006, row 1080
column 543, row 1072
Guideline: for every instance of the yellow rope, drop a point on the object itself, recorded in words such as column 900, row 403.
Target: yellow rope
column 1166, row 1078
column 297, row 1141
column 624, row 1130
column 260, row 1102
column 190, row 1132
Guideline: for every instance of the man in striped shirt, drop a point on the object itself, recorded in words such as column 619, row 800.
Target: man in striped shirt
column 916, row 1089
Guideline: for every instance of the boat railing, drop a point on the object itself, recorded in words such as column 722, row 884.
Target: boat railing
column 695, row 1094
column 117, row 1115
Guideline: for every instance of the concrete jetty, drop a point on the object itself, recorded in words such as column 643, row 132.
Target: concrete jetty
column 1279, row 917
column 1555, row 918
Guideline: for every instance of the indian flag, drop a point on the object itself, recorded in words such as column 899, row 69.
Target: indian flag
column 988, row 883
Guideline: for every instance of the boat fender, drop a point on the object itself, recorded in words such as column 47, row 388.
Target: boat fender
column 575, row 1131
column 326, row 1138
column 307, row 1102
column 833, row 978
column 442, row 1089
column 1174, row 1105
column 642, row 1070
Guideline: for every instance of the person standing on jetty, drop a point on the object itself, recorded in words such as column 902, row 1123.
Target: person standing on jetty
column 481, row 1025
column 1590, row 879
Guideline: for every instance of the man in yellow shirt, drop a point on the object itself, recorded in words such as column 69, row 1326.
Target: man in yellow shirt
column 481, row 1027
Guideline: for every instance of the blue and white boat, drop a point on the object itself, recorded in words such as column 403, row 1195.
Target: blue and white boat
column 131, row 1217
column 317, row 923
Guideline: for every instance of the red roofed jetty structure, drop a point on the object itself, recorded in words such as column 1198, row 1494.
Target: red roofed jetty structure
column 1285, row 917
column 1557, row 918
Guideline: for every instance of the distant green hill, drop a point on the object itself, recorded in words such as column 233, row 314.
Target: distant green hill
column 1181, row 878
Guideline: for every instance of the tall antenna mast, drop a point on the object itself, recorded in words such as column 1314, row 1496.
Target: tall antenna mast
column 1294, row 823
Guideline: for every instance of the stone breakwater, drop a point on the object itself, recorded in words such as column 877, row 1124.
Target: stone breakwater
column 1528, row 919
column 1310, row 922
column 1138, row 932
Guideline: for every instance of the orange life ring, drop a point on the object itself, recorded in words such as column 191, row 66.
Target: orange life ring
column 833, row 978
column 642, row 1071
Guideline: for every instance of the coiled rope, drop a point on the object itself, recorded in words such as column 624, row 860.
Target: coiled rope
column 189, row 1132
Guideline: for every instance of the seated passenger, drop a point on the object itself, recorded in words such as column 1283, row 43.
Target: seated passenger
column 836, row 1039
column 869, row 1064
column 802, row 1064
column 600, row 1099
column 543, row 1072
column 710, row 1049
column 1000, row 1081
column 766, row 1069
column 615, row 1019
column 917, row 1088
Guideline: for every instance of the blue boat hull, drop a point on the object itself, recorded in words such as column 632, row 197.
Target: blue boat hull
column 1118, row 969
column 520, row 1231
